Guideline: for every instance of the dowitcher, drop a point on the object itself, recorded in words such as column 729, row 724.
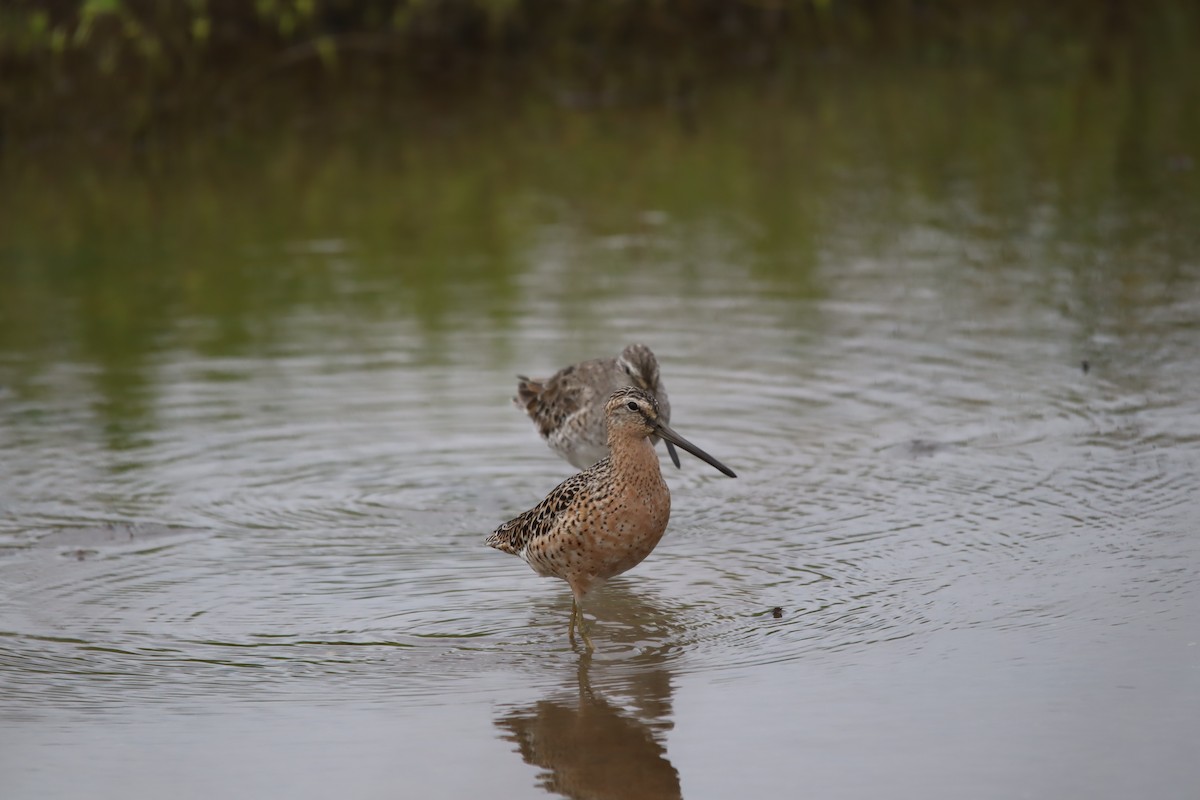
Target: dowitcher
column 606, row 519
column 568, row 408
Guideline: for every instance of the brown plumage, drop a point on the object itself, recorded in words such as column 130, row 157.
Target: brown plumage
column 568, row 408
column 606, row 519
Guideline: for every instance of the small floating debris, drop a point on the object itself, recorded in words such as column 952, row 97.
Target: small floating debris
column 919, row 448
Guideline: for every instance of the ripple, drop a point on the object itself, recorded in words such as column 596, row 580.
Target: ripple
column 319, row 515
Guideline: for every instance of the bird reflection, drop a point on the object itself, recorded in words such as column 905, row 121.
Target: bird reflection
column 594, row 746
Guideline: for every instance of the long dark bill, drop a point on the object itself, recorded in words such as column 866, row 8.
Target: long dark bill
column 674, row 455
column 671, row 437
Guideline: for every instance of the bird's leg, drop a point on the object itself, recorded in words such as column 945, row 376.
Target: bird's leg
column 577, row 612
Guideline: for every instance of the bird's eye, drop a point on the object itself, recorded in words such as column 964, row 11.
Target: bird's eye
column 632, row 406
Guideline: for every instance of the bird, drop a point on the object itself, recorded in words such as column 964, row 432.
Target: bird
column 606, row 519
column 568, row 408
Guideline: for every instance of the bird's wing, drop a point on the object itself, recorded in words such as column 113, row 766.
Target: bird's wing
column 514, row 535
column 550, row 403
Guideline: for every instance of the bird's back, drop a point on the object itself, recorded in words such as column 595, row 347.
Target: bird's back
column 568, row 408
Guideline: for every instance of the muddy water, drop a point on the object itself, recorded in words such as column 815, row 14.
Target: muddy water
column 959, row 559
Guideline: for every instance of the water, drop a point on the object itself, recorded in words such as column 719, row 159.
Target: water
column 247, row 479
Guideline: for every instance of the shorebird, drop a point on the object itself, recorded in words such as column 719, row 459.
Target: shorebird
column 568, row 408
column 606, row 519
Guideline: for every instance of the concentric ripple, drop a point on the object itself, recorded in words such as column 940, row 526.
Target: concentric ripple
column 910, row 462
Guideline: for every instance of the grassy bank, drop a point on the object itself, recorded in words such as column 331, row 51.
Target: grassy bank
column 126, row 74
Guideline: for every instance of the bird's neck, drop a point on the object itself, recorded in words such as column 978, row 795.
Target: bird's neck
column 634, row 455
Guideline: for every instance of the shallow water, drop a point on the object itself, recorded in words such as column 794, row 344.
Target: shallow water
column 251, row 563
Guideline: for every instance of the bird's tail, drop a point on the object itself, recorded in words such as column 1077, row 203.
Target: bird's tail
column 528, row 391
column 504, row 540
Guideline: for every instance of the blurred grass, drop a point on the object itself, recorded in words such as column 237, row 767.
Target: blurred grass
column 133, row 73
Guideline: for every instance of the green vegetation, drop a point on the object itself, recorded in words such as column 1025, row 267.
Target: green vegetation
column 127, row 71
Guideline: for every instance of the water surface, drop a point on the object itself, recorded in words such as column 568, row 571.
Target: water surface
column 256, row 427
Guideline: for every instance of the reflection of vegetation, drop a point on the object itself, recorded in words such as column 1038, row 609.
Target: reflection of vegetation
column 392, row 221
column 196, row 173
